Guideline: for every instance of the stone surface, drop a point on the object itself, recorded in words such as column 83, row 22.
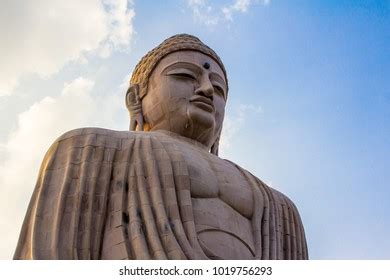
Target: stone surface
column 160, row 192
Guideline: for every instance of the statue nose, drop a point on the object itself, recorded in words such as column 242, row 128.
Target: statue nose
column 205, row 89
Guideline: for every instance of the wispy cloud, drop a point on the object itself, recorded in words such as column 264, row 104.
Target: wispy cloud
column 203, row 12
column 240, row 6
column 210, row 14
column 234, row 123
column 44, row 35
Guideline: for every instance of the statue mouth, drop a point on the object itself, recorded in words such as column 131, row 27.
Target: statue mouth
column 203, row 103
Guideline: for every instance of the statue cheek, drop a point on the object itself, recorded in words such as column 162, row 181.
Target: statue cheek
column 219, row 110
column 154, row 115
column 181, row 88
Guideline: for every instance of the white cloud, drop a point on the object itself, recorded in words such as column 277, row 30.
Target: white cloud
column 42, row 36
column 233, row 123
column 207, row 14
column 37, row 128
column 203, row 12
column 240, row 6
column 120, row 19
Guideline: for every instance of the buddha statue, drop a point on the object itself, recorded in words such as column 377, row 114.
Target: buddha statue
column 159, row 191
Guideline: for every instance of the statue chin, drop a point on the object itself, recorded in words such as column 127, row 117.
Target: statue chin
column 201, row 124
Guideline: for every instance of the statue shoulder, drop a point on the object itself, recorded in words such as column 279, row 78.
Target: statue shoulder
column 99, row 137
column 283, row 197
column 74, row 145
column 88, row 131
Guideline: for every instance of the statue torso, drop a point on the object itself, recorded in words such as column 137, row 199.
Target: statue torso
column 153, row 196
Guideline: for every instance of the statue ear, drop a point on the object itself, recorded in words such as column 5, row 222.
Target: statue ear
column 134, row 105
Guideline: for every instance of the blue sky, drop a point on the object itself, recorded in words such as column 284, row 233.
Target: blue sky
column 308, row 109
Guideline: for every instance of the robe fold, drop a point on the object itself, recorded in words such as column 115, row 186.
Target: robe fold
column 104, row 194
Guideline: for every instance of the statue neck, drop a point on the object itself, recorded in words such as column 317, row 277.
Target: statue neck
column 184, row 139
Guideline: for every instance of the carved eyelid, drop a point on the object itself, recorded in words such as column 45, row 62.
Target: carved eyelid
column 178, row 71
column 217, row 80
column 220, row 87
column 216, row 85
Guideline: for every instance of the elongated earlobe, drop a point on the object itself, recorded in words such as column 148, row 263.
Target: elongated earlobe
column 134, row 106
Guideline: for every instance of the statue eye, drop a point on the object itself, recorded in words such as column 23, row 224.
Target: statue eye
column 219, row 90
column 182, row 73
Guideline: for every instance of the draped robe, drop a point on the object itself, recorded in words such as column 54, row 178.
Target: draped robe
column 126, row 195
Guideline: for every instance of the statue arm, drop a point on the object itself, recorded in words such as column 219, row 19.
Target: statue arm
column 290, row 232
column 65, row 217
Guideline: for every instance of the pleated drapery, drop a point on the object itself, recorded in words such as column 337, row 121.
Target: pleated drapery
column 123, row 195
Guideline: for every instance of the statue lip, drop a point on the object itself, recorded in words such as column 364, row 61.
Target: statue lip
column 204, row 102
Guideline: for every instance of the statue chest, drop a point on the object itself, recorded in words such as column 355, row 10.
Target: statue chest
column 222, row 202
column 214, row 178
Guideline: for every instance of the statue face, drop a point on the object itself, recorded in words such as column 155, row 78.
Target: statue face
column 186, row 95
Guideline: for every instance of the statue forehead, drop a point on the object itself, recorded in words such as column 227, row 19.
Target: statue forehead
column 193, row 57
